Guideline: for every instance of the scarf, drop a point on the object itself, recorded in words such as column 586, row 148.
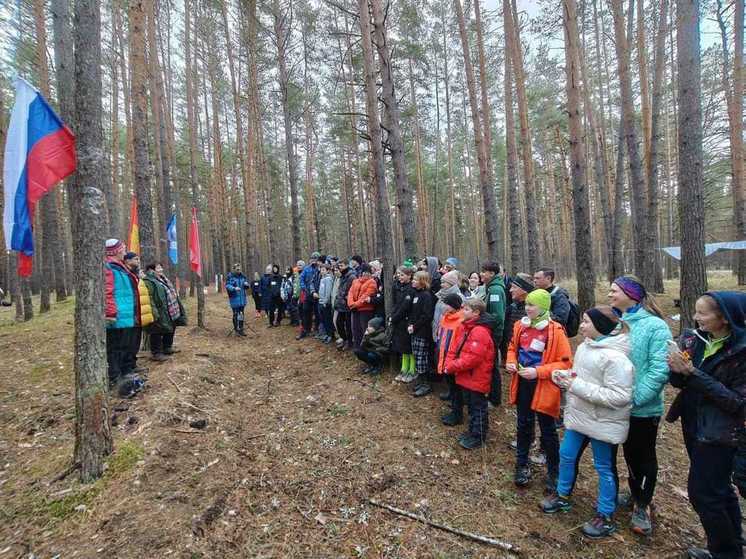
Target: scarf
column 172, row 300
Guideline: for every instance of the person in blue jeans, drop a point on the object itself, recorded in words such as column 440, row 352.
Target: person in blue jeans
column 599, row 401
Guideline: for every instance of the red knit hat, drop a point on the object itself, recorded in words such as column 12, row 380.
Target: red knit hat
column 113, row 246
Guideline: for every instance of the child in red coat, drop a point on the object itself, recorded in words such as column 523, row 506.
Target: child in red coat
column 471, row 358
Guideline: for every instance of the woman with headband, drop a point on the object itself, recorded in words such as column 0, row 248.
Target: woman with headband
column 599, row 399
column 649, row 336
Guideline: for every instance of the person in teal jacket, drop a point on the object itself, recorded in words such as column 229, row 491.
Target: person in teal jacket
column 649, row 337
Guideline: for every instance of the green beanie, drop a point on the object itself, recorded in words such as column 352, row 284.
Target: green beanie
column 540, row 298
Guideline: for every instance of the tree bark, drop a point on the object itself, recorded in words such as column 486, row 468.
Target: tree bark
column 583, row 242
column 633, row 155
column 691, row 198
column 148, row 247
column 404, row 198
column 92, row 432
column 384, row 245
column 511, row 164
column 491, row 228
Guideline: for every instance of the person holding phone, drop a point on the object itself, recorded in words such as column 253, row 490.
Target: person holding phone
column 599, row 400
column 710, row 371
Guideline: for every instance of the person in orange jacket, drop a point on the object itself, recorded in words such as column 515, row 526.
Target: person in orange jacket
column 360, row 301
column 452, row 317
column 471, row 358
column 539, row 346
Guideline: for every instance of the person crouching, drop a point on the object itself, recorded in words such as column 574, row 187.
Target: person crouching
column 471, row 358
column 373, row 346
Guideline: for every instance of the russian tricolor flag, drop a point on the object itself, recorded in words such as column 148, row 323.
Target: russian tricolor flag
column 39, row 153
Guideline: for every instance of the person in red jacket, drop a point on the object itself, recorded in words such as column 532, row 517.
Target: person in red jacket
column 471, row 359
column 360, row 301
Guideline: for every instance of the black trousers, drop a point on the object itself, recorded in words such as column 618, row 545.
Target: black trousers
column 344, row 327
column 327, row 319
column 119, row 342
column 160, row 343
column 308, row 312
column 293, row 311
column 641, row 458
column 135, row 343
column 276, row 307
column 525, row 429
column 476, row 403
column 370, row 357
column 713, row 497
column 238, row 318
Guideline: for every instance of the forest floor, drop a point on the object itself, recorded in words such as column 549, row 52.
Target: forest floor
column 296, row 443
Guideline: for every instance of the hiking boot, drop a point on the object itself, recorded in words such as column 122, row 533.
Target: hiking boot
column 422, row 390
column 241, row 333
column 556, row 503
column 522, row 476
column 698, row 553
column 625, row 501
column 158, row 357
column 471, row 442
column 641, row 523
column 600, row 526
column 452, row 419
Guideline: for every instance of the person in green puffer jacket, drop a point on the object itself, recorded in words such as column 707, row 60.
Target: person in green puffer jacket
column 495, row 298
column 649, row 336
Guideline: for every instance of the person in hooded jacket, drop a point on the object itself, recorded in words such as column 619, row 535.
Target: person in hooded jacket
column 264, row 288
column 497, row 301
column 274, row 291
column 539, row 346
column 236, row 286
column 419, row 326
column 401, row 341
column 449, row 285
column 373, row 346
column 710, row 371
column 431, row 265
column 360, row 302
column 344, row 318
column 471, row 358
column 450, row 321
column 310, row 279
column 379, row 306
column 599, row 400
column 649, row 336
column 256, row 294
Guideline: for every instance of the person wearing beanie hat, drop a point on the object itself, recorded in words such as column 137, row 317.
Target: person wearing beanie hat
column 360, row 300
column 649, row 336
column 451, row 264
column 122, row 311
column 236, row 285
column 471, row 361
column 538, row 346
column 451, row 318
column 599, row 399
column 373, row 346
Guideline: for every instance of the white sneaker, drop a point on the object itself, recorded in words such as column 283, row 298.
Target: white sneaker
column 409, row 377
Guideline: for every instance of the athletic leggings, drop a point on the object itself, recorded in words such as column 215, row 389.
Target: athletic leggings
column 642, row 461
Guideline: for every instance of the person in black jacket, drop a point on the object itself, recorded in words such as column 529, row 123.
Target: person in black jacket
column 256, row 294
column 275, row 303
column 710, row 370
column 344, row 322
column 420, row 327
column 402, row 294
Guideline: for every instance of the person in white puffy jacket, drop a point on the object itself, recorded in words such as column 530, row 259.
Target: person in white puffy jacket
column 599, row 399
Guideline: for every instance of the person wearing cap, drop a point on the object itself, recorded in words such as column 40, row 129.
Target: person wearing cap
column 236, row 285
column 373, row 346
column 649, row 337
column 122, row 310
column 450, row 265
column 451, row 318
column 449, row 285
column 599, row 399
column 310, row 278
column 471, row 358
column 710, row 371
column 539, row 346
column 360, row 301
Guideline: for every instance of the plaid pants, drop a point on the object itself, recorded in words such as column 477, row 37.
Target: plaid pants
column 421, row 351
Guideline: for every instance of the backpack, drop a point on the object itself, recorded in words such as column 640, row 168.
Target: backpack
column 286, row 289
column 573, row 320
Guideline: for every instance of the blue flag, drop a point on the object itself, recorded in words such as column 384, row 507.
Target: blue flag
column 173, row 245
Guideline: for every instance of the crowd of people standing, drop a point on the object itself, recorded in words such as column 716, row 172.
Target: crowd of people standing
column 465, row 329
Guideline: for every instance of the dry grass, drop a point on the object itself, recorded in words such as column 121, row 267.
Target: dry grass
column 296, row 443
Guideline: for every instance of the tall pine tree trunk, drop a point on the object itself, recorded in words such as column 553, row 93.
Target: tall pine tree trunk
column 511, row 164
column 691, row 197
column 92, row 428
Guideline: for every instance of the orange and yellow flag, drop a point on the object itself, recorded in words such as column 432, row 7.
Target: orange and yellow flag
column 133, row 240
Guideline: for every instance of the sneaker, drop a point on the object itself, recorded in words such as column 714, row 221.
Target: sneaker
column 445, row 396
column 171, row 351
column 158, row 357
column 514, row 444
column 340, row 343
column 408, row 377
column 471, row 442
column 241, row 333
column 522, row 476
column 698, row 553
column 556, row 503
column 399, row 377
column 641, row 523
column 600, row 526
column 422, row 390
column 375, row 370
column 452, row 419
column 328, row 340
